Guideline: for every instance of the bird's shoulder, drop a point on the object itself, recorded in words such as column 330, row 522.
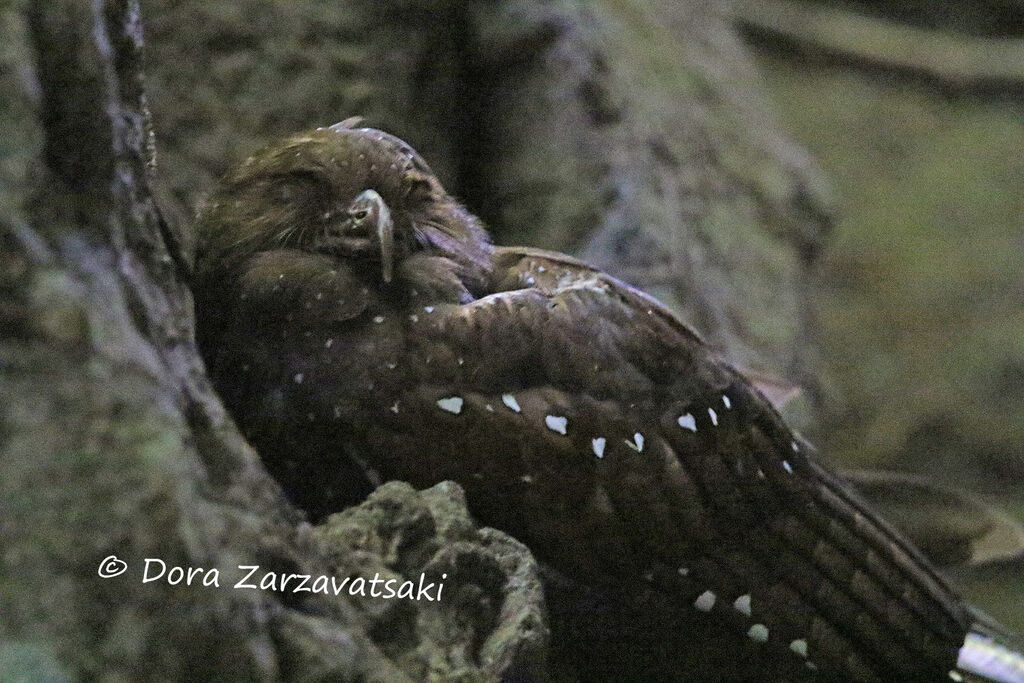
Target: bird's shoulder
column 556, row 274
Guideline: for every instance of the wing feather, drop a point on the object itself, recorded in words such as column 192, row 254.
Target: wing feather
column 728, row 495
column 698, row 491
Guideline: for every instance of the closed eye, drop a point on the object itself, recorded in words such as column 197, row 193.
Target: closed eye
column 292, row 185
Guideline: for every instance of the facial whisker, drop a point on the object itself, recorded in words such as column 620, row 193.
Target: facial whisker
column 243, row 240
column 285, row 235
column 303, row 230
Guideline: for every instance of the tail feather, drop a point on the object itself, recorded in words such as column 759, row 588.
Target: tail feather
column 983, row 656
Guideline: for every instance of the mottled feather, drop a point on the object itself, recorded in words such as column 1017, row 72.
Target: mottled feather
column 579, row 414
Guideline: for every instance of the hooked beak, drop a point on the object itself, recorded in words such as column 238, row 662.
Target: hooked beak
column 385, row 229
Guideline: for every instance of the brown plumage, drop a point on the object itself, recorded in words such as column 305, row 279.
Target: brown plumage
column 360, row 327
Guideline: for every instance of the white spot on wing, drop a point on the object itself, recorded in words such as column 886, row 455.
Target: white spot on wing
column 713, row 415
column 637, row 444
column 556, row 423
column 799, row 646
column 510, row 401
column 598, row 446
column 378, row 319
column 786, row 466
column 683, row 571
column 742, row 604
column 758, row 633
column 415, row 318
column 299, row 377
column 726, row 402
column 796, row 447
column 687, row 422
column 394, row 408
column 705, row 601
column 453, row 404
column 955, row 676
column 428, row 309
column 489, row 408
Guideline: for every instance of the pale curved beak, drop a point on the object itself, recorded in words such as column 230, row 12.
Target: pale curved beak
column 385, row 229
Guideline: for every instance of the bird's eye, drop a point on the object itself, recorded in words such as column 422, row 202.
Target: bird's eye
column 283, row 194
column 360, row 214
column 298, row 186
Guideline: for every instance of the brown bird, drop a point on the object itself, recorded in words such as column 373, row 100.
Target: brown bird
column 361, row 327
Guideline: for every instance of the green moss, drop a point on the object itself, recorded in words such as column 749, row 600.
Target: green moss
column 20, row 139
column 20, row 661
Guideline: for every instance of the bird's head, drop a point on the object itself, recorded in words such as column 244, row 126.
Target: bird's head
column 357, row 194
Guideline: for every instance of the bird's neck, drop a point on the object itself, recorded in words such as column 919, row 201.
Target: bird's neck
column 428, row 277
column 453, row 243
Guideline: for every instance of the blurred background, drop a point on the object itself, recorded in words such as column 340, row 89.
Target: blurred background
column 915, row 111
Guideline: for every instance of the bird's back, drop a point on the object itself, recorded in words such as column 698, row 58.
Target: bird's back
column 583, row 418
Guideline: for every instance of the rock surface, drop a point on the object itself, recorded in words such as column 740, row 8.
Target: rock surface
column 112, row 443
